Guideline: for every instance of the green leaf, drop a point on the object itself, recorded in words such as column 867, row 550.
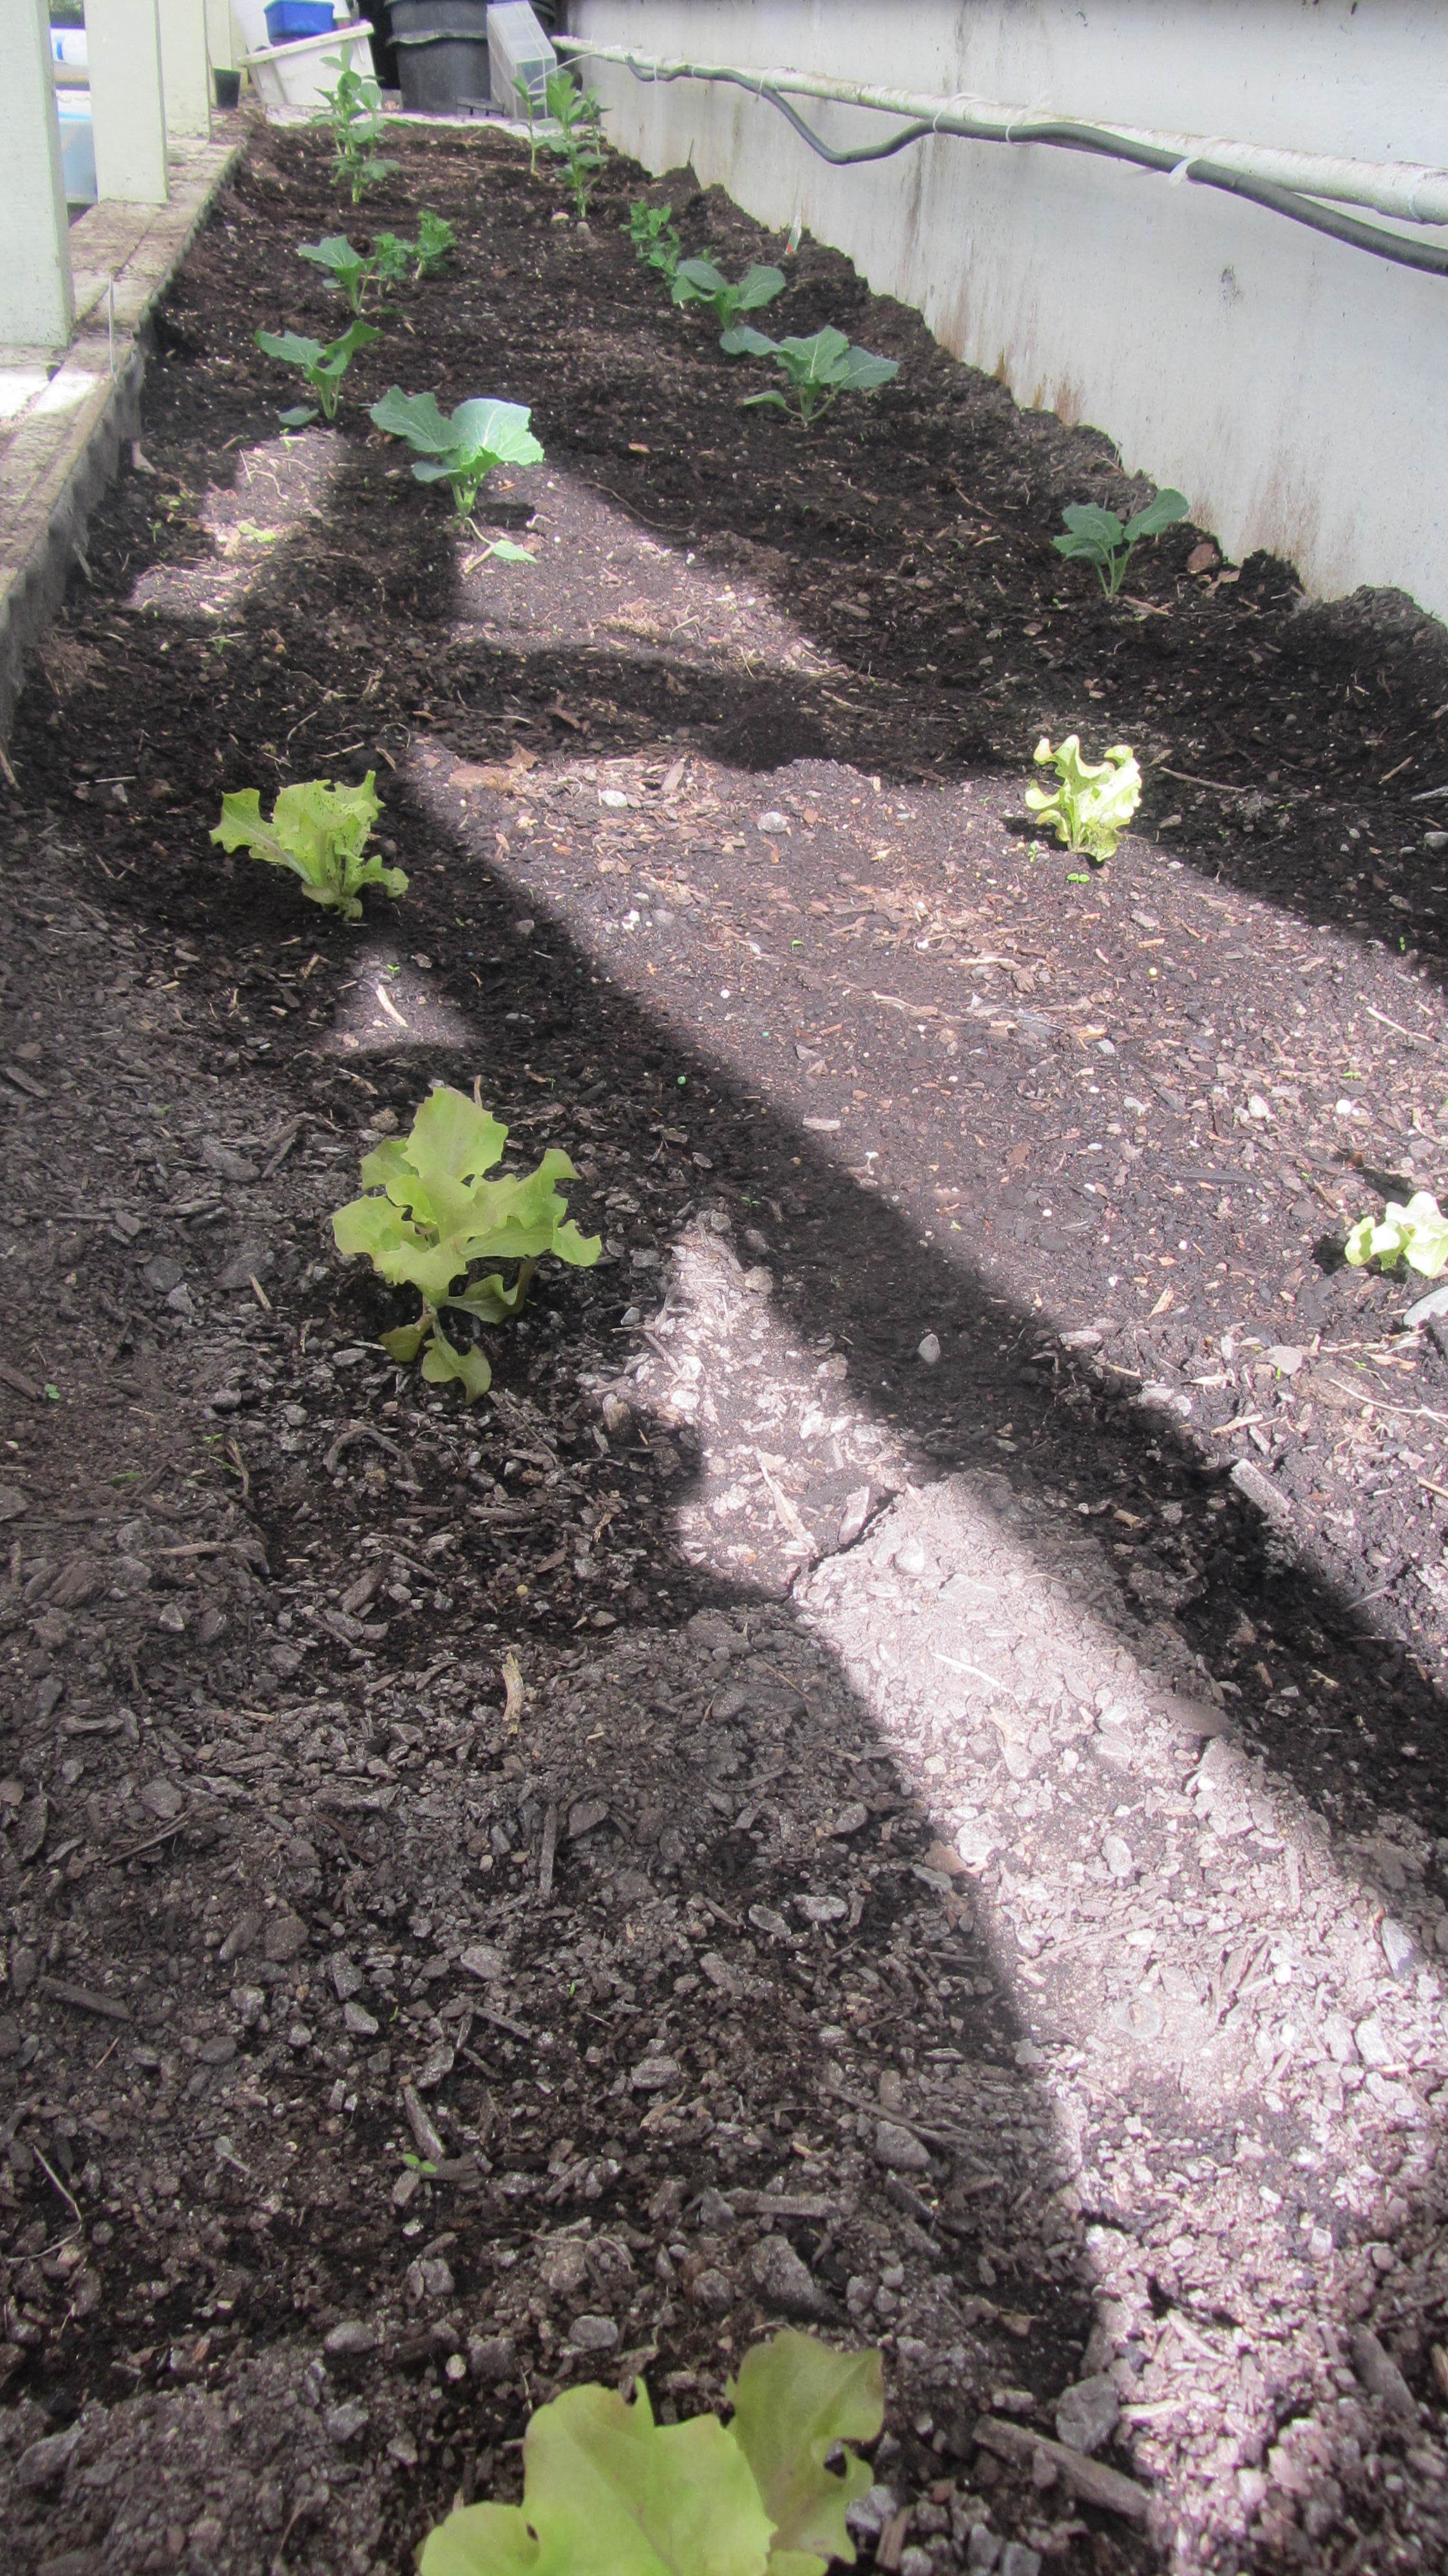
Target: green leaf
column 290, row 346
column 497, row 430
column 486, row 2540
column 759, row 285
column 405, row 1343
column 1099, row 527
column 794, row 2400
column 610, row 2493
column 819, row 360
column 695, row 280
column 742, row 339
column 1081, row 550
column 507, row 552
column 442, row 1364
column 758, row 402
column 864, row 372
column 299, row 417
column 1162, row 512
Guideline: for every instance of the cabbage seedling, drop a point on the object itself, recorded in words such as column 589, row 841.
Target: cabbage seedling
column 428, row 1214
column 655, row 238
column 463, row 450
column 577, row 136
column 816, row 371
column 318, row 831
column 698, row 281
column 1092, row 802
column 323, row 365
column 1098, row 537
column 1415, row 1233
column 349, row 271
column 605, row 2487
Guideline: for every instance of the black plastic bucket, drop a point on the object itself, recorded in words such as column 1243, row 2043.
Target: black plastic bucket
column 228, row 88
column 442, row 54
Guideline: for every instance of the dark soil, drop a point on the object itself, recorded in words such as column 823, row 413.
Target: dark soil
column 720, row 877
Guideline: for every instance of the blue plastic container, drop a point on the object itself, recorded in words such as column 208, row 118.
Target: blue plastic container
column 288, row 20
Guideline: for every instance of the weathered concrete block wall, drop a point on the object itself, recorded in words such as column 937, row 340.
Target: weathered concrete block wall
column 1291, row 386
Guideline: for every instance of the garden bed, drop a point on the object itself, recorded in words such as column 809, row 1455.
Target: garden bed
column 969, row 1462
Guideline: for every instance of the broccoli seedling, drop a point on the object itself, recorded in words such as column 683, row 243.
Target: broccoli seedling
column 1415, row 1233
column 816, row 371
column 655, row 238
column 1092, row 802
column 604, row 2486
column 353, row 110
column 318, row 831
column 577, row 136
column 429, row 1214
column 1098, row 537
column 463, row 450
column 349, row 271
column 698, row 281
column 323, row 365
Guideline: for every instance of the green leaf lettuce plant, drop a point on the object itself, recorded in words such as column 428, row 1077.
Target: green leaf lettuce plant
column 1098, row 537
column 323, row 364
column 1092, row 802
column 429, row 1213
column 463, row 449
column 318, row 831
column 698, row 281
column 608, row 2492
column 1415, row 1233
column 816, row 371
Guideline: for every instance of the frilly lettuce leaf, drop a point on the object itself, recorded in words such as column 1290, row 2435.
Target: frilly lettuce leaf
column 793, row 2401
column 1416, row 1233
column 607, row 2492
column 1093, row 802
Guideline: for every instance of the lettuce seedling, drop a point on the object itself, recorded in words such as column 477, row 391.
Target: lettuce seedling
column 698, row 281
column 608, row 2492
column 463, row 450
column 349, row 271
column 816, row 371
column 318, row 831
column 655, row 238
column 429, row 1214
column 576, row 138
column 353, row 109
column 1415, row 1233
column 1098, row 537
column 323, row 365
column 1092, row 802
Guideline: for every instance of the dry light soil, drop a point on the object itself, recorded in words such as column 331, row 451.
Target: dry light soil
column 891, row 1776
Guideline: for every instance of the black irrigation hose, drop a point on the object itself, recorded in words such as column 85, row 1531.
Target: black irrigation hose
column 1070, row 137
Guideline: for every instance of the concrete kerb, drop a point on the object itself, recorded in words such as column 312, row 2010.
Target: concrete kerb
column 62, row 427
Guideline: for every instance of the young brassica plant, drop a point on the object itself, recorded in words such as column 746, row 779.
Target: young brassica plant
column 429, row 1213
column 605, row 2487
column 1098, row 537
column 698, row 281
column 463, row 450
column 318, row 831
column 1092, row 802
column 349, row 271
column 1415, row 1233
column 353, row 110
column 577, row 136
column 655, row 238
column 323, row 365
column 816, row 371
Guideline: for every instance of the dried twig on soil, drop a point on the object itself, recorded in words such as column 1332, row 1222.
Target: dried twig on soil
column 1087, row 2478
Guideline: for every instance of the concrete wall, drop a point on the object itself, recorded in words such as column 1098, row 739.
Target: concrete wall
column 1293, row 388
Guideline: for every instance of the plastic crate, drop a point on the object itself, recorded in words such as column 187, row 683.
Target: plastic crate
column 289, row 20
